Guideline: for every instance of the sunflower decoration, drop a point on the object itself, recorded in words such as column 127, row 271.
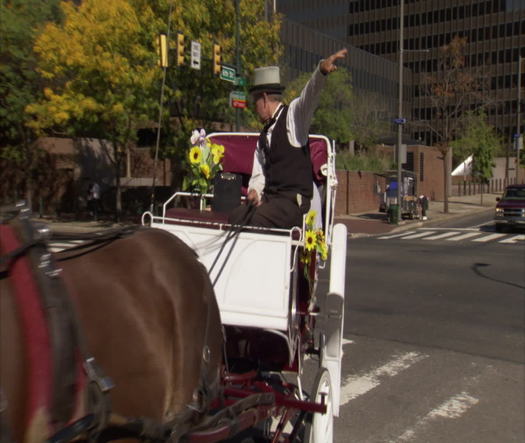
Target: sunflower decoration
column 314, row 244
column 204, row 161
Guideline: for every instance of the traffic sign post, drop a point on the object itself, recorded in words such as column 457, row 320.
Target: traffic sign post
column 238, row 99
column 228, row 73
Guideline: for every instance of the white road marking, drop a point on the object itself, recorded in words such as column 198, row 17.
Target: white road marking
column 442, row 235
column 464, row 236
column 384, row 237
column 357, row 385
column 418, row 235
column 454, row 407
column 347, row 342
column 447, row 229
column 513, row 239
column 489, row 237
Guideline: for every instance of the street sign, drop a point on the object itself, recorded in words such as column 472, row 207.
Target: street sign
column 400, row 121
column 228, row 73
column 195, row 55
column 238, row 99
column 240, row 81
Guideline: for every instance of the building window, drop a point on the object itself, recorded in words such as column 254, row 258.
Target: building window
column 421, row 166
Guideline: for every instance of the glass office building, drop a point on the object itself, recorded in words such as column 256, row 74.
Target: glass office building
column 372, row 76
column 494, row 29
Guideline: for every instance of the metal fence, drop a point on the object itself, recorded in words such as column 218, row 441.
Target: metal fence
column 493, row 186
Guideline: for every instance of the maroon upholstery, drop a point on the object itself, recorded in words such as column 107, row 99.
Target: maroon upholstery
column 239, row 149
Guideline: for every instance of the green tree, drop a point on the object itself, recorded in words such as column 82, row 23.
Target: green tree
column 480, row 140
column 21, row 163
column 197, row 99
column 334, row 114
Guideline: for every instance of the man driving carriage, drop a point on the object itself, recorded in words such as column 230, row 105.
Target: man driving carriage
column 281, row 185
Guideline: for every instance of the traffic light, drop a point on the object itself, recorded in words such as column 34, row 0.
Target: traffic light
column 163, row 51
column 180, row 49
column 216, row 59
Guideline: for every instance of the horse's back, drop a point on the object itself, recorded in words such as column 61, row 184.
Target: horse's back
column 147, row 308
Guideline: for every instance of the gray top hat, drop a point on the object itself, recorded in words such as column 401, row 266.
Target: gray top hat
column 267, row 80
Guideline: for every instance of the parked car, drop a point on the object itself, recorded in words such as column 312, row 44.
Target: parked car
column 510, row 209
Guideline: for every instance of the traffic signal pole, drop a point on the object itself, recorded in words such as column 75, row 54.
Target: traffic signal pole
column 237, row 58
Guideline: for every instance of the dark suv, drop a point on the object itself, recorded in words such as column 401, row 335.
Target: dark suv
column 510, row 209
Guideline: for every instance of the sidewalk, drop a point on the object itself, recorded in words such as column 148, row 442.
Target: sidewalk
column 358, row 225
column 374, row 223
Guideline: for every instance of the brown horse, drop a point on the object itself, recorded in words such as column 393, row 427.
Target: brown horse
column 146, row 312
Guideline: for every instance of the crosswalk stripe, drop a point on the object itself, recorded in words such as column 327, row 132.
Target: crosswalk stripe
column 514, row 239
column 454, row 407
column 464, row 236
column 489, row 237
column 357, row 385
column 385, row 237
column 442, row 235
column 418, row 235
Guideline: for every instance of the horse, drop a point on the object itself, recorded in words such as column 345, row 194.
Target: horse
column 147, row 332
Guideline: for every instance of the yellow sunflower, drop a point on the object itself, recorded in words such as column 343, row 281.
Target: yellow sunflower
column 310, row 218
column 195, row 155
column 205, row 169
column 217, row 153
column 310, row 240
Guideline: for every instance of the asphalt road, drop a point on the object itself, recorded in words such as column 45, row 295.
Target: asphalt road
column 435, row 336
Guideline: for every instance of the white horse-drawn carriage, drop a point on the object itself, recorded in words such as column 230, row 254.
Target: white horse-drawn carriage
column 128, row 335
column 273, row 313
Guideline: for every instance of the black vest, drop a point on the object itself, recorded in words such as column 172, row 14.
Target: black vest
column 289, row 171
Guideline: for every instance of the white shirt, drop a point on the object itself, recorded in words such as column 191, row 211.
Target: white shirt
column 299, row 118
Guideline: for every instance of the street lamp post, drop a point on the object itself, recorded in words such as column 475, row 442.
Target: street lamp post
column 519, row 137
column 400, row 109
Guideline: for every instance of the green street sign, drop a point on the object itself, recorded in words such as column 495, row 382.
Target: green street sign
column 228, row 73
column 240, row 81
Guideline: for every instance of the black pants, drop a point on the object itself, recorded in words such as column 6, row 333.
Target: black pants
column 276, row 211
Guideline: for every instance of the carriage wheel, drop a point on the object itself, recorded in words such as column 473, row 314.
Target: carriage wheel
column 321, row 427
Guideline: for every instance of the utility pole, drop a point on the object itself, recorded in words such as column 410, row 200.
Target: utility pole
column 519, row 137
column 400, row 109
column 237, row 58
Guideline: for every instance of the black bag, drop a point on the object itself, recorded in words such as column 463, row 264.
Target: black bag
column 226, row 192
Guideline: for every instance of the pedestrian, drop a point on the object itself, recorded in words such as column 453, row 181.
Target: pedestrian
column 94, row 200
column 423, row 203
column 281, row 185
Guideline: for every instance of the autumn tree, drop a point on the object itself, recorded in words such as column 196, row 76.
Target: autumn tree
column 103, row 78
column 100, row 66
column 22, row 164
column 452, row 90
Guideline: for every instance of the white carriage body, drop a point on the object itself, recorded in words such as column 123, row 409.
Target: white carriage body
column 256, row 288
column 253, row 289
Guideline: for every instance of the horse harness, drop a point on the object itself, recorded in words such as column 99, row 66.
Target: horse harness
column 46, row 308
column 71, row 368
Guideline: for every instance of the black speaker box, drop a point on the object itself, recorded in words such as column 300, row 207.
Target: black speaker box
column 226, row 192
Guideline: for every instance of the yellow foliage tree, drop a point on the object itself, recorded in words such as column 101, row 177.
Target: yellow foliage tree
column 102, row 75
